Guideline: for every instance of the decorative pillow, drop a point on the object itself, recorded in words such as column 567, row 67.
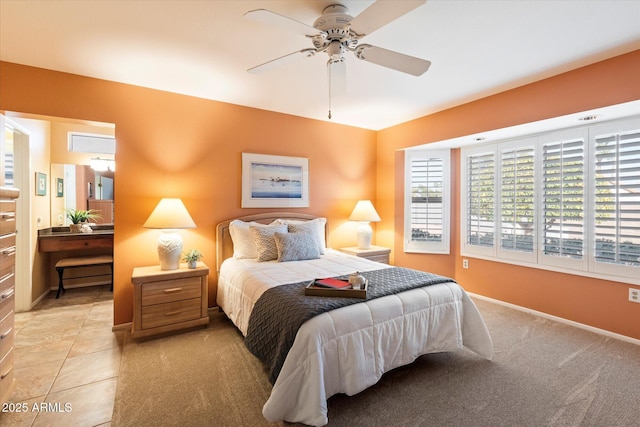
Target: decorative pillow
column 243, row 244
column 317, row 226
column 296, row 246
column 264, row 240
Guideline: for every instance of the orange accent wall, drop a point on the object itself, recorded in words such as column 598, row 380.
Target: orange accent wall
column 598, row 303
column 171, row 145
column 175, row 145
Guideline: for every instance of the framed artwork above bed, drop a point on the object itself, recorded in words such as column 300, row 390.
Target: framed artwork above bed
column 274, row 181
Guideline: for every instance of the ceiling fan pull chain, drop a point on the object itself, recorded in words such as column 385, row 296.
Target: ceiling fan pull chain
column 329, row 78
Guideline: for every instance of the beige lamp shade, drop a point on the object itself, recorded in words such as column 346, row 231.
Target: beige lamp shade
column 169, row 215
column 364, row 213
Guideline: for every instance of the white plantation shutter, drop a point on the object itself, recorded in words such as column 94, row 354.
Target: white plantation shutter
column 563, row 203
column 427, row 201
column 617, row 199
column 479, row 200
column 517, row 203
column 567, row 200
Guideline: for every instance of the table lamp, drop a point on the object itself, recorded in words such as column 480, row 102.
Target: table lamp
column 169, row 215
column 364, row 213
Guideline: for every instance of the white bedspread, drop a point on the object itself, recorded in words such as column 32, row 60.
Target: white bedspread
column 359, row 342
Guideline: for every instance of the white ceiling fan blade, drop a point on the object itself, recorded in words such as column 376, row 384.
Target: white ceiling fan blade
column 272, row 18
column 286, row 59
column 394, row 60
column 381, row 13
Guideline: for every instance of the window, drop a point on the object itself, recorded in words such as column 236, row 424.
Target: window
column 517, row 204
column 567, row 200
column 427, row 201
column 90, row 143
column 617, row 199
column 563, row 204
column 479, row 205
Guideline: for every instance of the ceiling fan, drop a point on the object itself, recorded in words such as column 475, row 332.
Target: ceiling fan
column 337, row 32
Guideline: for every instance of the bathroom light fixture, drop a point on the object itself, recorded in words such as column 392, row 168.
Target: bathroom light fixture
column 364, row 213
column 169, row 215
column 102, row 165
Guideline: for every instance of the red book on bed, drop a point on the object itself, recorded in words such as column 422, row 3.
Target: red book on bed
column 332, row 283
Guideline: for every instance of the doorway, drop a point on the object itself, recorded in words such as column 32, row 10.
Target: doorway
column 39, row 142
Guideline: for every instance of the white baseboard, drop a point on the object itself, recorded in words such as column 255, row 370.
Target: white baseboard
column 40, row 298
column 559, row 319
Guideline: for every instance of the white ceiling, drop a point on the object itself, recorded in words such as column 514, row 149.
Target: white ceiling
column 203, row 48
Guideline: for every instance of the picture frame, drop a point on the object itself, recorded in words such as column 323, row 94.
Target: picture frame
column 59, row 187
column 270, row 181
column 41, row 184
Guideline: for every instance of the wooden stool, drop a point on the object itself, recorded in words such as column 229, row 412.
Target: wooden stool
column 86, row 261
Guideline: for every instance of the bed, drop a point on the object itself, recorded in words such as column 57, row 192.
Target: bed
column 347, row 349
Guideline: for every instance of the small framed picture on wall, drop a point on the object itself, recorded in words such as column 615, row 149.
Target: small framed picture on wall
column 41, row 184
column 59, row 187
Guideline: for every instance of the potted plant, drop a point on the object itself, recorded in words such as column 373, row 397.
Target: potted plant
column 192, row 257
column 78, row 217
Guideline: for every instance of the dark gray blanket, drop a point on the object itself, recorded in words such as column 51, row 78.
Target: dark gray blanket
column 281, row 310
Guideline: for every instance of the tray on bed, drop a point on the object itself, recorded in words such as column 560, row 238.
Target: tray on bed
column 312, row 289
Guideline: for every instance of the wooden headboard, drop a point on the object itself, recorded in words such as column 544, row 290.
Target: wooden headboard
column 224, row 244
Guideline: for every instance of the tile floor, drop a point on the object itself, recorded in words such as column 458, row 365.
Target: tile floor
column 67, row 357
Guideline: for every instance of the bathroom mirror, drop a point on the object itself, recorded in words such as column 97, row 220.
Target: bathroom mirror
column 81, row 187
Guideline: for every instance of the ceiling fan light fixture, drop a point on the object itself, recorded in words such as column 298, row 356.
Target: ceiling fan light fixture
column 336, row 32
column 335, row 50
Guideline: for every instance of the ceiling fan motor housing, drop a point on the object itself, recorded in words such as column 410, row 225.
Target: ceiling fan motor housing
column 334, row 24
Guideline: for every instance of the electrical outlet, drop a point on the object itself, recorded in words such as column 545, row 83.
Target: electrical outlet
column 634, row 295
column 465, row 263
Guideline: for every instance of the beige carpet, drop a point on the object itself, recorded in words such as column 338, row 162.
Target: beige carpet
column 543, row 374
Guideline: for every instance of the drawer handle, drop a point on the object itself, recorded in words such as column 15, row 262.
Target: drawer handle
column 173, row 313
column 8, row 215
column 10, row 251
column 172, row 290
column 5, row 277
column 3, row 376
column 8, row 294
column 6, row 334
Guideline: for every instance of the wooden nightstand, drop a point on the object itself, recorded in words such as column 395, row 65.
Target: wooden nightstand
column 168, row 300
column 375, row 253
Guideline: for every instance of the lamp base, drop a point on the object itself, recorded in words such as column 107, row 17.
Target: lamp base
column 364, row 233
column 169, row 250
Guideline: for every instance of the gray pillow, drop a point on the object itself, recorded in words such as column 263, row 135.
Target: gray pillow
column 316, row 227
column 296, row 246
column 265, row 242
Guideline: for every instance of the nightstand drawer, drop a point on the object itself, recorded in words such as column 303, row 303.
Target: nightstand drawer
column 379, row 258
column 374, row 253
column 170, row 290
column 157, row 315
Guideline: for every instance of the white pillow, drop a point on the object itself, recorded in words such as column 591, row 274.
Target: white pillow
column 243, row 243
column 317, row 225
